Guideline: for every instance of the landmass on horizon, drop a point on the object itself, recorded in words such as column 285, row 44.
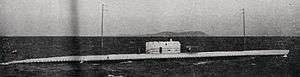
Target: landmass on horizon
column 171, row 33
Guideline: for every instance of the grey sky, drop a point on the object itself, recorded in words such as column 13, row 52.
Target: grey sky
column 214, row 17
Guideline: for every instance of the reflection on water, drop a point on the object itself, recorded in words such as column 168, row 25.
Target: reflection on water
column 269, row 66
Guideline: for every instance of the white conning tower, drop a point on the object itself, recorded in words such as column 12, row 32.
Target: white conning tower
column 159, row 47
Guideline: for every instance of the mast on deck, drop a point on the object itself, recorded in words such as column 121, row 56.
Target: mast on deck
column 244, row 30
column 102, row 19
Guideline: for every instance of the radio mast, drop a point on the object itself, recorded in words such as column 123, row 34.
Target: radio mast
column 102, row 19
column 244, row 29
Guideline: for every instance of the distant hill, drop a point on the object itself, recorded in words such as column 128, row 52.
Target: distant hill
column 186, row 33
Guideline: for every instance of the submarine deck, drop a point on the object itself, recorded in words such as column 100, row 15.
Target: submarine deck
column 111, row 57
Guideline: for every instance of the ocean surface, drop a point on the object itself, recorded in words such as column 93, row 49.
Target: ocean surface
column 18, row 48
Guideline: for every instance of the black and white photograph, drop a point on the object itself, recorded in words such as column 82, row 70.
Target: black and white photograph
column 149, row 38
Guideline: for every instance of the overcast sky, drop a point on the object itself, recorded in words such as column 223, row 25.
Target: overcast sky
column 133, row 17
